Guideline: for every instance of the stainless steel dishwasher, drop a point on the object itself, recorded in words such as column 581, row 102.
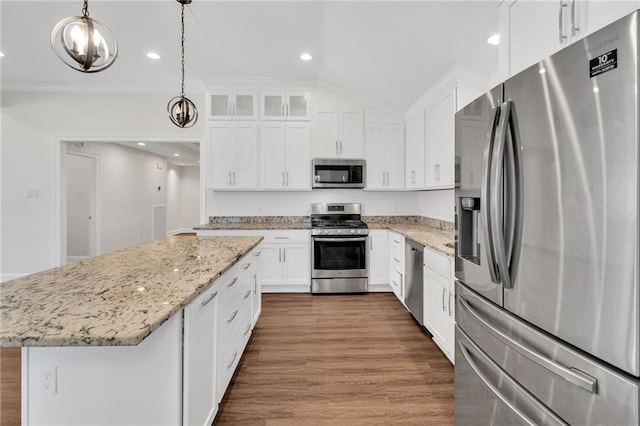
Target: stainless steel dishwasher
column 414, row 261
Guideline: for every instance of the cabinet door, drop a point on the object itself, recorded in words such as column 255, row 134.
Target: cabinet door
column 245, row 106
column 273, row 106
column 296, row 260
column 436, row 313
column 351, row 134
column 376, row 156
column 434, row 132
column 298, row 157
column 270, row 272
column 600, row 13
column 445, row 165
column 199, row 399
column 415, row 152
column 326, row 141
column 449, row 333
column 395, row 157
column 221, row 155
column 273, row 153
column 298, row 106
column 220, row 105
column 245, row 174
column 378, row 257
column 256, row 288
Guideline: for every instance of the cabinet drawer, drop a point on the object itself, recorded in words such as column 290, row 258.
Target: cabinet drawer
column 284, row 236
column 229, row 357
column 437, row 262
column 236, row 302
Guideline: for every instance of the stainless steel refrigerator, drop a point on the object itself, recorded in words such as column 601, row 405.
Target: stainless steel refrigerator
column 547, row 242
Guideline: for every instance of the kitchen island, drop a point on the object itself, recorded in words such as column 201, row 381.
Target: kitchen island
column 107, row 340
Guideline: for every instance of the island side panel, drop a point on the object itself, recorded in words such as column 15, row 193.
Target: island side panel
column 112, row 385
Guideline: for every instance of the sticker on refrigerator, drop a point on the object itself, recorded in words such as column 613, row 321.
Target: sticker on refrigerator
column 603, row 63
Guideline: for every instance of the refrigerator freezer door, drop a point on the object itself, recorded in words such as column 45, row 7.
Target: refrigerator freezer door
column 574, row 387
column 578, row 119
column 475, row 127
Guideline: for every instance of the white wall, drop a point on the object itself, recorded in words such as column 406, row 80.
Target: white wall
column 436, row 204
column 183, row 197
column 32, row 125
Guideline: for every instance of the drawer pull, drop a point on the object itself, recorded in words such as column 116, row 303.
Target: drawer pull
column 232, row 282
column 258, row 254
column 206, row 302
column 247, row 330
column 233, row 315
column 246, row 294
column 282, row 238
column 246, row 266
column 233, row 359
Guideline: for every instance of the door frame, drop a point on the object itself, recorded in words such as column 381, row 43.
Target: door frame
column 60, row 198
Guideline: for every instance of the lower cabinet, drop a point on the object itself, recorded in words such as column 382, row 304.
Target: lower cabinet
column 256, row 298
column 439, row 300
column 378, row 260
column 396, row 264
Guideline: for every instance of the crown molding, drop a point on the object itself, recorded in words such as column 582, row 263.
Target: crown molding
column 8, row 86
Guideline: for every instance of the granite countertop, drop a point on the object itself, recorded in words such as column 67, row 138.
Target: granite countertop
column 118, row 298
column 429, row 236
column 255, row 222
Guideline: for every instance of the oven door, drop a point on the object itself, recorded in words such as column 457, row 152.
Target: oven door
column 339, row 257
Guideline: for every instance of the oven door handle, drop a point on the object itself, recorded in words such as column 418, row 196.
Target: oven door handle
column 339, row 240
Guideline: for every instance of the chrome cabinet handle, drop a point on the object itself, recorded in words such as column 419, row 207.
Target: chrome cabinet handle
column 443, row 308
column 247, row 330
column 257, row 253
column 232, row 282
column 340, row 147
column 229, row 178
column 572, row 375
column 233, row 315
column 496, row 391
column 233, row 359
column 284, row 255
column 287, row 110
column 282, row 178
column 383, row 178
column 280, row 255
column 574, row 29
column 561, row 36
column 255, row 283
column 450, row 312
column 234, row 178
column 206, row 302
column 337, row 151
column 246, row 266
column 246, row 295
column 282, row 238
column 287, row 178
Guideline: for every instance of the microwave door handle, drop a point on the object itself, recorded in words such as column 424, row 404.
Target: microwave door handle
column 486, row 208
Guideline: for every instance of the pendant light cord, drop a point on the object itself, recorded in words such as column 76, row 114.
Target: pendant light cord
column 85, row 9
column 182, row 47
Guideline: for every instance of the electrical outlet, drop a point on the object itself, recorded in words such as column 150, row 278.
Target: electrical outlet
column 48, row 380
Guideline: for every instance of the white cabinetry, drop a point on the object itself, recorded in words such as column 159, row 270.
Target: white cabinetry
column 439, row 300
column 200, row 402
column 256, row 298
column 441, row 142
column 233, row 156
column 396, row 264
column 230, row 105
column 533, row 30
column 385, row 156
column 416, row 150
column 286, row 157
column 339, row 133
column 286, row 261
column 285, row 106
column 378, row 259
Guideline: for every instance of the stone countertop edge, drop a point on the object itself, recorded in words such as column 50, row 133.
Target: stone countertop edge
column 115, row 299
column 434, row 238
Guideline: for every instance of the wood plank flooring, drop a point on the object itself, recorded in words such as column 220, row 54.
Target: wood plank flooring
column 348, row 359
column 320, row 360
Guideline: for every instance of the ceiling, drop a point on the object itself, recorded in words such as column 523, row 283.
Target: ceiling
column 388, row 51
column 188, row 152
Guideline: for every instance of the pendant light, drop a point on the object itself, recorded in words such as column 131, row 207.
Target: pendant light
column 182, row 112
column 83, row 43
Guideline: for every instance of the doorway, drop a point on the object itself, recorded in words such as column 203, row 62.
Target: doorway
column 82, row 194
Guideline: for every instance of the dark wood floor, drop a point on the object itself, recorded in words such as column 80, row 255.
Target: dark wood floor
column 339, row 360
column 317, row 360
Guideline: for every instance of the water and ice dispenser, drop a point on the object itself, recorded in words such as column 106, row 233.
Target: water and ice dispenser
column 469, row 234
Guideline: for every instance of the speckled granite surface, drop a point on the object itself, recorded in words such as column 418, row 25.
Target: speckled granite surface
column 434, row 238
column 256, row 222
column 115, row 299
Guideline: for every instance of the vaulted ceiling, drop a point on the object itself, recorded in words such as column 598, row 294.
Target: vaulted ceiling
column 388, row 51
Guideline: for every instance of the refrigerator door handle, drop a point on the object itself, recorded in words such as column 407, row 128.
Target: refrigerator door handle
column 571, row 375
column 516, row 206
column 543, row 408
column 485, row 204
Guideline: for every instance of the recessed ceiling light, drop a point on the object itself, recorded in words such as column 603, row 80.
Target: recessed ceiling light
column 141, row 144
column 153, row 55
column 494, row 40
column 176, row 155
column 306, row 57
column 1, row 55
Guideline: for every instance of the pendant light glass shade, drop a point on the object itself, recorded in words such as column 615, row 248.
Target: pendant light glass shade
column 182, row 112
column 83, row 43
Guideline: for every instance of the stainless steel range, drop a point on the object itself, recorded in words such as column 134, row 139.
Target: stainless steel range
column 339, row 255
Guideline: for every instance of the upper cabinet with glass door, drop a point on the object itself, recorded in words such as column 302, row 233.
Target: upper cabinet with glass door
column 232, row 105
column 285, row 106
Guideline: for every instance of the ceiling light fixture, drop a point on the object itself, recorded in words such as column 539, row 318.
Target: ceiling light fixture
column 182, row 112
column 306, row 57
column 1, row 55
column 494, row 40
column 153, row 55
column 84, row 44
column 141, row 144
column 176, row 155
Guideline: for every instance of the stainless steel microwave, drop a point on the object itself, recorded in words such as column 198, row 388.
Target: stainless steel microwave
column 338, row 173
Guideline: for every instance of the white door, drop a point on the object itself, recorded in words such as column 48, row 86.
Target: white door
column 395, row 157
column 270, row 264
column 415, row 152
column 245, row 174
column 81, row 176
column 220, row 105
column 296, row 260
column 376, row 156
column 221, row 155
column 273, row 153
column 445, row 167
column 273, row 106
column 327, row 134
column 298, row 157
column 434, row 142
column 436, row 296
column 298, row 106
column 378, row 257
column 351, row 134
